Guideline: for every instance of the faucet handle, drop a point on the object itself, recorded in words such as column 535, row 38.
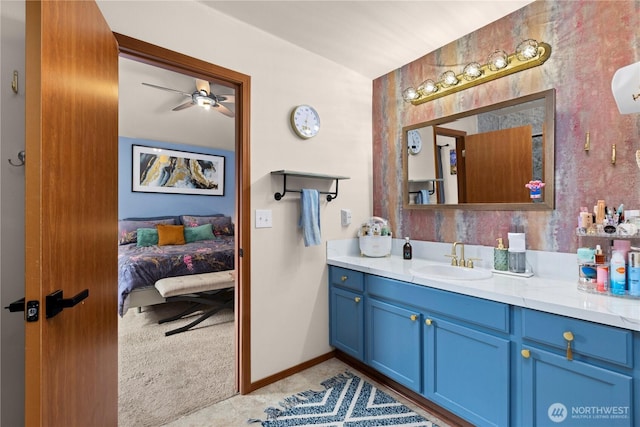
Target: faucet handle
column 470, row 261
column 454, row 259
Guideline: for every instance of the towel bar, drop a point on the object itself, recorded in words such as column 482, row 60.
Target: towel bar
column 330, row 194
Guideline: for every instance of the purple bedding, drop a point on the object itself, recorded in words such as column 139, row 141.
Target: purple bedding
column 143, row 266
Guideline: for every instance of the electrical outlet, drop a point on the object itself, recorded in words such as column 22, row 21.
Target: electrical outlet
column 345, row 217
column 264, row 218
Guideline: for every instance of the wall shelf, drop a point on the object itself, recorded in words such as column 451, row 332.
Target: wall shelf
column 287, row 173
column 431, row 182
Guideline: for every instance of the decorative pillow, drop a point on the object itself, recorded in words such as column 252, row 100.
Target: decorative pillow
column 201, row 232
column 196, row 220
column 170, row 234
column 128, row 228
column 222, row 225
column 147, row 237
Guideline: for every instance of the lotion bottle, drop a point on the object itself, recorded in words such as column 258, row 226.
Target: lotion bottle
column 618, row 273
column 500, row 257
column 406, row 249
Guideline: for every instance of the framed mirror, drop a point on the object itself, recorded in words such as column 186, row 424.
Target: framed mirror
column 483, row 159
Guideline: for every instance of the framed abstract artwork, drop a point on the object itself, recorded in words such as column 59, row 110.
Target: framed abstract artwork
column 160, row 170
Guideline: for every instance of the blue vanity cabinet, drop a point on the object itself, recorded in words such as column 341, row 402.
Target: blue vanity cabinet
column 393, row 336
column 346, row 311
column 467, row 371
column 592, row 385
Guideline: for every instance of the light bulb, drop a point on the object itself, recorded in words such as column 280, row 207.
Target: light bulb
column 472, row 71
column 526, row 50
column 409, row 94
column 448, row 78
column 427, row 87
column 497, row 60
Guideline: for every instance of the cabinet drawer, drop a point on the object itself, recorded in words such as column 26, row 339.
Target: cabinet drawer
column 346, row 278
column 603, row 342
column 478, row 311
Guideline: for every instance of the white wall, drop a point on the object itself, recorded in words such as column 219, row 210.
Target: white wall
column 289, row 301
column 11, row 212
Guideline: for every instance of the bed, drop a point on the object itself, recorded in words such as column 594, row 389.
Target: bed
column 155, row 248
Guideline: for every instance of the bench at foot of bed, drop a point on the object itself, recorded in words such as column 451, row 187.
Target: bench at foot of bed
column 210, row 292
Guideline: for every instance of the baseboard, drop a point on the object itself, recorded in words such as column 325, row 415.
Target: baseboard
column 418, row 400
column 288, row 372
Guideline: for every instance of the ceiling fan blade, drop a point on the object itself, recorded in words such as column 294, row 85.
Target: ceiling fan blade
column 229, row 99
column 167, row 89
column 224, row 110
column 183, row 106
column 203, row 85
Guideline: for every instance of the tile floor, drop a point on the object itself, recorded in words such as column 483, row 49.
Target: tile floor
column 235, row 411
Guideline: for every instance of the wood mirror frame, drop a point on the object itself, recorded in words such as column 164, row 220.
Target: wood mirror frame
column 546, row 202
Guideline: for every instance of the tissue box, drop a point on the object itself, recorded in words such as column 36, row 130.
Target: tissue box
column 375, row 246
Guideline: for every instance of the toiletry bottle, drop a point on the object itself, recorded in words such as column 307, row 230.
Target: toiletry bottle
column 406, row 249
column 599, row 256
column 500, row 257
column 602, row 278
column 618, row 273
column 634, row 274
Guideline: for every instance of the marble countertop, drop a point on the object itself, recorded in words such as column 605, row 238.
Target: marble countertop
column 538, row 293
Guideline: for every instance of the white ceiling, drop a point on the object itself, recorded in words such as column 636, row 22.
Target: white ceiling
column 370, row 37
column 146, row 112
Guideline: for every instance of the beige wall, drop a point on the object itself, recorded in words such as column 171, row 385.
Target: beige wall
column 289, row 293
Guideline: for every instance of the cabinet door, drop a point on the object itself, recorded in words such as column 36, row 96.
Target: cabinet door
column 556, row 391
column 347, row 322
column 393, row 342
column 467, row 372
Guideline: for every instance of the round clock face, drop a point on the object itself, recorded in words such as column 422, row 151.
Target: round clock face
column 305, row 121
column 414, row 142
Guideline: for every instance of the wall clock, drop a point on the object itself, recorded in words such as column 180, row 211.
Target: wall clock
column 414, row 142
column 305, row 121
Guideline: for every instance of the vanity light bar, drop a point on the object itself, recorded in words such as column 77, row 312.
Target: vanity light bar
column 523, row 59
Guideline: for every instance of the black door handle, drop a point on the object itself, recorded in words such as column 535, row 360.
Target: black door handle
column 55, row 302
column 16, row 305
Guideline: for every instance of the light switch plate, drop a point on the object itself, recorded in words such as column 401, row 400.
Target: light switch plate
column 264, row 218
column 345, row 217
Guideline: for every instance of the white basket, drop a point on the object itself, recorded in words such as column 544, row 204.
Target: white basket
column 375, row 246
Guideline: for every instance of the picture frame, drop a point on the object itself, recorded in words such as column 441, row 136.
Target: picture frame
column 162, row 170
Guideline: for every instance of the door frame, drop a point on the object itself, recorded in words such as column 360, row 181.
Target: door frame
column 163, row 58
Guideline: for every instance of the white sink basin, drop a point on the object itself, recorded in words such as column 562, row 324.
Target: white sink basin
column 451, row 272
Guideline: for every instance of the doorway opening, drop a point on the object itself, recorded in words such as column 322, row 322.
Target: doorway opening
column 137, row 50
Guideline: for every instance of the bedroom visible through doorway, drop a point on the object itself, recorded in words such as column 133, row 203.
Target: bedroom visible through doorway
column 191, row 137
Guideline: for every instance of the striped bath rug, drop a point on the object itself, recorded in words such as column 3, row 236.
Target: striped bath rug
column 346, row 401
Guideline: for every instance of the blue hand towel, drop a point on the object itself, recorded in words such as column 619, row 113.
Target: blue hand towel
column 310, row 217
column 424, row 195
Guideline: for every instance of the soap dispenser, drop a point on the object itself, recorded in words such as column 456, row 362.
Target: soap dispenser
column 517, row 252
column 500, row 257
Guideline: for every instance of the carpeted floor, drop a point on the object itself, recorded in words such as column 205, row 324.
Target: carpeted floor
column 163, row 378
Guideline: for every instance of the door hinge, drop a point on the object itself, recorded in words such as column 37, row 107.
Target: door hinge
column 240, row 252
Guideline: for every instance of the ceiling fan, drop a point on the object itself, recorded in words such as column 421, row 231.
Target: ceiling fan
column 202, row 97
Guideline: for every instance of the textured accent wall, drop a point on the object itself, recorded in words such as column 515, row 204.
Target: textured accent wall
column 590, row 40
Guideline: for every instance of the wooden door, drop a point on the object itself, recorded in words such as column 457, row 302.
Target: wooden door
column 71, row 359
column 498, row 164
